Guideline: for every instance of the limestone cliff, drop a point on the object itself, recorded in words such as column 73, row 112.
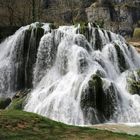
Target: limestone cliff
column 120, row 16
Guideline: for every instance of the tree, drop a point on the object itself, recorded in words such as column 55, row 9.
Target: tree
column 33, row 11
column 20, row 12
column 10, row 7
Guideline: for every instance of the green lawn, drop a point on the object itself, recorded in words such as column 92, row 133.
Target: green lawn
column 19, row 125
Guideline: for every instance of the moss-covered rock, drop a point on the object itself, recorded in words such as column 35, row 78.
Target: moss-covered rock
column 4, row 102
column 39, row 24
column 17, row 104
column 133, row 82
column 53, row 26
column 134, row 87
column 84, row 29
column 18, row 101
column 98, row 100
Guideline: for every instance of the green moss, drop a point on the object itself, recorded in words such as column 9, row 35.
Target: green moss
column 17, row 104
column 100, row 23
column 133, row 83
column 136, row 33
column 134, row 87
column 83, row 28
column 4, row 102
column 19, row 125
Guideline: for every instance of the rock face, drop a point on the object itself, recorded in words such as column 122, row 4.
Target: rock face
column 120, row 16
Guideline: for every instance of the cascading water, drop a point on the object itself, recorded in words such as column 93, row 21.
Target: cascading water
column 75, row 78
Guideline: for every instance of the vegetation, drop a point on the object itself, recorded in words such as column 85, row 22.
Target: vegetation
column 19, row 125
column 134, row 87
column 133, row 83
column 19, row 12
column 17, row 104
column 100, row 23
column 136, row 33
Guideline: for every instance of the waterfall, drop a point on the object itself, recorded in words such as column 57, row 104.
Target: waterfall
column 78, row 75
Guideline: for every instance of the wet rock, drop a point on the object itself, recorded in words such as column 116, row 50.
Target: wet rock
column 81, row 40
column 4, row 102
column 98, row 100
column 98, row 40
column 28, row 58
column 133, row 82
column 121, row 59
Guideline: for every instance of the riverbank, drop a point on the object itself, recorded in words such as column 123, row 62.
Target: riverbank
column 19, row 125
column 131, row 129
column 135, row 43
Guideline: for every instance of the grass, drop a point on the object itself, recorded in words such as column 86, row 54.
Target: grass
column 19, row 125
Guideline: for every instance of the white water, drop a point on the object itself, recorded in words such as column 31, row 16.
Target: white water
column 65, row 63
column 8, row 62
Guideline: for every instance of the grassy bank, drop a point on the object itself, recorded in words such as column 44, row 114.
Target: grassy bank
column 19, row 125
